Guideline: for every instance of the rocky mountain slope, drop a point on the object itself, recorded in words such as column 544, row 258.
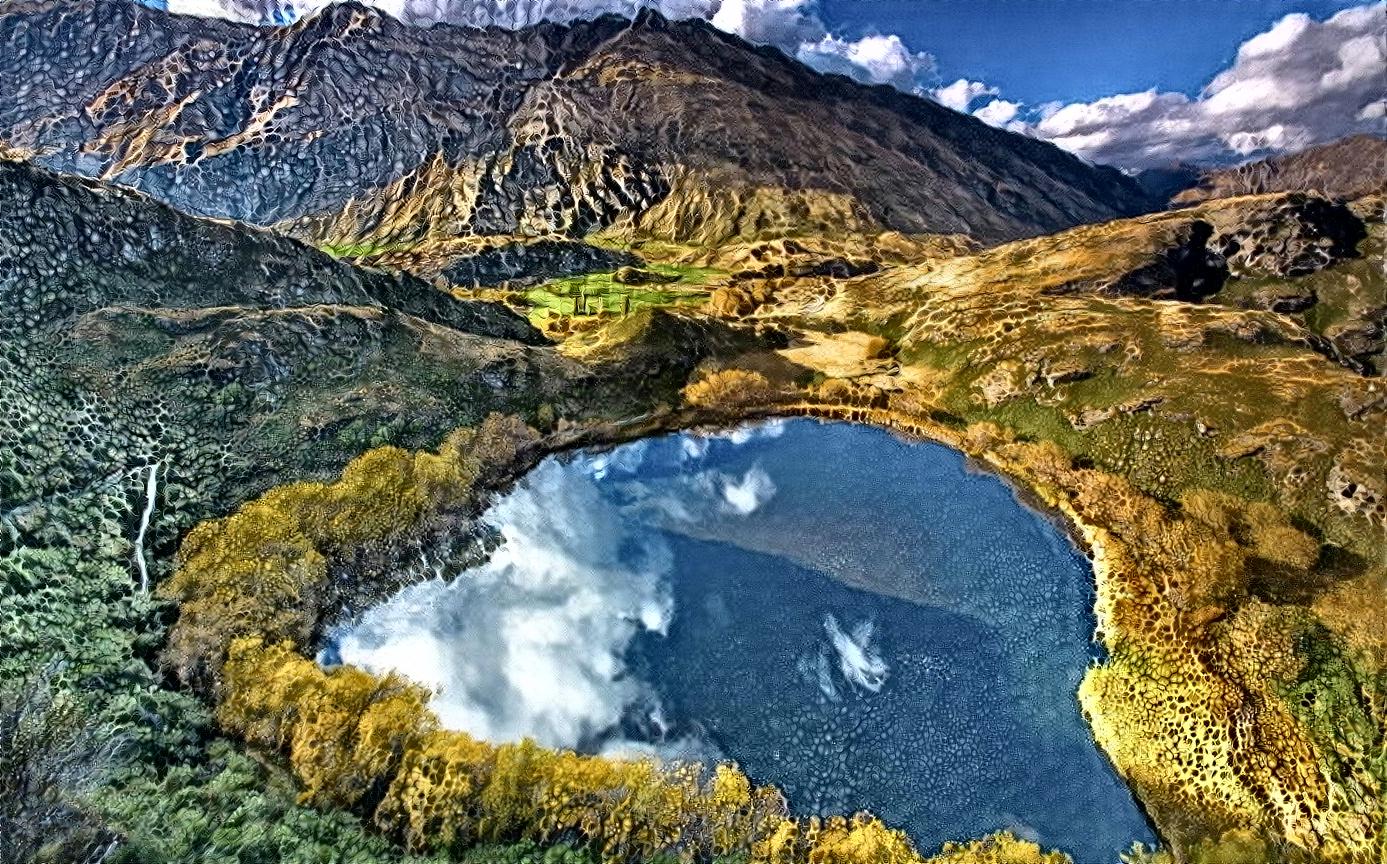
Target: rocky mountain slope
column 1349, row 168
column 351, row 128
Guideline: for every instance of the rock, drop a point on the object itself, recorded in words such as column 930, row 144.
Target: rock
column 732, row 301
column 1285, row 236
column 1284, row 298
column 1001, row 384
column 1356, row 493
column 1348, row 168
column 1065, row 372
column 1360, row 341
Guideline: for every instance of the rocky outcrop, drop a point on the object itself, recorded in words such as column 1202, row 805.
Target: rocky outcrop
column 519, row 264
column 1286, row 236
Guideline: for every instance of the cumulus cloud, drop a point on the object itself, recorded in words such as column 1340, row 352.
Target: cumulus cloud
column 998, row 112
column 1301, row 82
column 875, row 59
column 961, row 94
column 786, row 24
column 746, row 495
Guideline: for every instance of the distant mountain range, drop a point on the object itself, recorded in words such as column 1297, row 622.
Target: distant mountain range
column 349, row 126
column 1346, row 169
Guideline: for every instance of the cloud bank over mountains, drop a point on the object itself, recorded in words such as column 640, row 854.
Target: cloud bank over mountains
column 1301, row 82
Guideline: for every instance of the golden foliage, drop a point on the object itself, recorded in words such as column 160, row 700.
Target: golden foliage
column 1261, row 528
column 863, row 839
column 349, row 734
column 1001, row 848
column 730, row 388
column 263, row 570
column 1189, row 705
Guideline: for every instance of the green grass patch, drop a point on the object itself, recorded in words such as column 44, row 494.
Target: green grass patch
column 599, row 292
column 363, row 250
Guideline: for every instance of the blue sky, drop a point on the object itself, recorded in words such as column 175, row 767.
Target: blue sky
column 1072, row 50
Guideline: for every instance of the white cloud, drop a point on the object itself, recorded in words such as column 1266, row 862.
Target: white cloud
column 747, row 495
column 786, row 24
column 962, row 93
column 1301, row 82
column 532, row 642
column 873, row 59
column 862, row 666
column 998, row 112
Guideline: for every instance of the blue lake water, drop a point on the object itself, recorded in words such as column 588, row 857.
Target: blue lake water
column 863, row 621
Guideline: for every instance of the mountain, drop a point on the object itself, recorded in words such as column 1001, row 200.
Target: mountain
column 349, row 128
column 123, row 318
column 1346, row 169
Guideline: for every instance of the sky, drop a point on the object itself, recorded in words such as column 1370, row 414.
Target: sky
column 1073, row 49
column 1132, row 83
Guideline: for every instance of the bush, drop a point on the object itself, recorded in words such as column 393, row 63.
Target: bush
column 346, row 732
column 731, row 388
column 52, row 750
column 230, row 810
column 263, row 570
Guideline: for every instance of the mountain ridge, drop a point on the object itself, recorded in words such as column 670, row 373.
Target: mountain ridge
column 309, row 120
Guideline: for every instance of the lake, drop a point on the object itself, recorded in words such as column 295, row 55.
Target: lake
column 864, row 621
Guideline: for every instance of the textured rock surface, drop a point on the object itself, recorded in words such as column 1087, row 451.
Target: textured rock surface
column 352, row 125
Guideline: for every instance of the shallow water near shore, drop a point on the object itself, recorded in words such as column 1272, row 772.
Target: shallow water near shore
column 863, row 621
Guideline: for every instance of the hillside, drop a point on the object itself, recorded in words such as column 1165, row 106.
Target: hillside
column 1219, row 457
column 351, row 129
column 224, row 433
column 1349, row 168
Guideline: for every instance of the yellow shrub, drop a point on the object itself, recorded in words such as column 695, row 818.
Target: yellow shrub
column 251, row 573
column 1000, row 848
column 252, row 589
column 863, row 839
column 730, row 388
column 263, row 570
column 434, row 800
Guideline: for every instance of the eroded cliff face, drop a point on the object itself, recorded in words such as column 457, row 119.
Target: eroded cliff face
column 351, row 127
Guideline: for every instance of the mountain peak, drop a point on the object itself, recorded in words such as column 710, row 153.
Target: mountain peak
column 673, row 129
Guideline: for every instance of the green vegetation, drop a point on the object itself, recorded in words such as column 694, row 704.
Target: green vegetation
column 599, row 292
column 363, row 249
